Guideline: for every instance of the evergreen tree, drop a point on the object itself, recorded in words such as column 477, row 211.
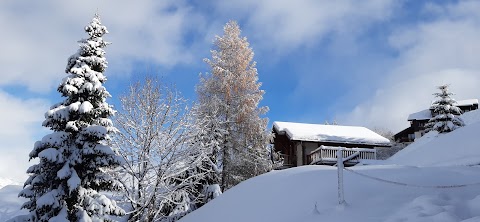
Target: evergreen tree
column 207, row 136
column 74, row 158
column 230, row 95
column 445, row 114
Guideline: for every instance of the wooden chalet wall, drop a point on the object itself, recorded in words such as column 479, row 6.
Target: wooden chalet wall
column 283, row 145
column 288, row 148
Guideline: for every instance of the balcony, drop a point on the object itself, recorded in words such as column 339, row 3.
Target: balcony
column 328, row 155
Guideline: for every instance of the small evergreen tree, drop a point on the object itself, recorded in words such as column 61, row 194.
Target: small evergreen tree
column 445, row 114
column 207, row 137
column 73, row 160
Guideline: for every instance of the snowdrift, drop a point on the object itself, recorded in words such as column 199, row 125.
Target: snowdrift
column 460, row 147
column 436, row 178
column 309, row 193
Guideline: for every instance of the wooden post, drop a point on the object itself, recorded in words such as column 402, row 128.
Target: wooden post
column 341, row 198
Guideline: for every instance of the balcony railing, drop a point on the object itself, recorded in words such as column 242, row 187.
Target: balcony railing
column 328, row 155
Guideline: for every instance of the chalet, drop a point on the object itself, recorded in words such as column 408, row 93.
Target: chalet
column 419, row 119
column 301, row 143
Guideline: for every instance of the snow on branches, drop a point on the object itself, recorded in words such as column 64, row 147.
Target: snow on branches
column 230, row 96
column 65, row 184
column 160, row 175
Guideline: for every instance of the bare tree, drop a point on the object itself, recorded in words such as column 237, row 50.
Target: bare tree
column 152, row 139
column 385, row 132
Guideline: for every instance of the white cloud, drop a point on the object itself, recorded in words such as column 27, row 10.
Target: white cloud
column 285, row 25
column 305, row 32
column 38, row 37
column 20, row 129
column 443, row 50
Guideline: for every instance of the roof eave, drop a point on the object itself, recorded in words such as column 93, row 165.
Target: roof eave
column 350, row 143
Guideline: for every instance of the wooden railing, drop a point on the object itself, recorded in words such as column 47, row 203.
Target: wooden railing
column 328, row 154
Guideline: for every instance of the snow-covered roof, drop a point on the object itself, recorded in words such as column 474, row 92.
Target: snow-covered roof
column 426, row 113
column 467, row 102
column 330, row 133
column 421, row 115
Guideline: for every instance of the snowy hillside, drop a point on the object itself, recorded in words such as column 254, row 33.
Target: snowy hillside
column 436, row 178
column 290, row 195
column 471, row 117
column 5, row 181
column 460, row 147
column 10, row 203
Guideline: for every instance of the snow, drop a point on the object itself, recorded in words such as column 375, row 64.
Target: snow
column 420, row 115
column 426, row 113
column 86, row 107
column 49, row 154
column 411, row 186
column 61, row 217
column 292, row 194
column 74, row 106
column 71, row 125
column 214, row 190
column 471, row 117
column 45, row 187
column 96, row 130
column 74, row 181
column 47, row 199
column 460, row 147
column 64, row 172
column 330, row 133
column 466, row 102
column 7, row 181
column 10, row 203
column 60, row 112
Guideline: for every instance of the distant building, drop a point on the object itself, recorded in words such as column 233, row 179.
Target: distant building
column 302, row 143
column 419, row 119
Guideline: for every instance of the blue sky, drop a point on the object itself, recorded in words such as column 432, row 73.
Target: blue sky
column 368, row 63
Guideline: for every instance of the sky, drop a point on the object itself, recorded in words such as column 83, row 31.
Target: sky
column 367, row 63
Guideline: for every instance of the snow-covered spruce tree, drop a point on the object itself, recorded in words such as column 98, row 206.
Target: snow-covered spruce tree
column 231, row 95
column 74, row 158
column 153, row 136
column 445, row 114
column 206, row 138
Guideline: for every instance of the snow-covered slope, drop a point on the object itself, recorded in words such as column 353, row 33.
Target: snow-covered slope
column 437, row 178
column 460, row 147
column 471, row 117
column 418, row 190
column 10, row 203
column 291, row 195
column 6, row 181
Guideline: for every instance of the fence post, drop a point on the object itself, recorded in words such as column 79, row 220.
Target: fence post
column 341, row 198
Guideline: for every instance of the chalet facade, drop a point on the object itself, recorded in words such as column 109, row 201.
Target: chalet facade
column 419, row 119
column 302, row 144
